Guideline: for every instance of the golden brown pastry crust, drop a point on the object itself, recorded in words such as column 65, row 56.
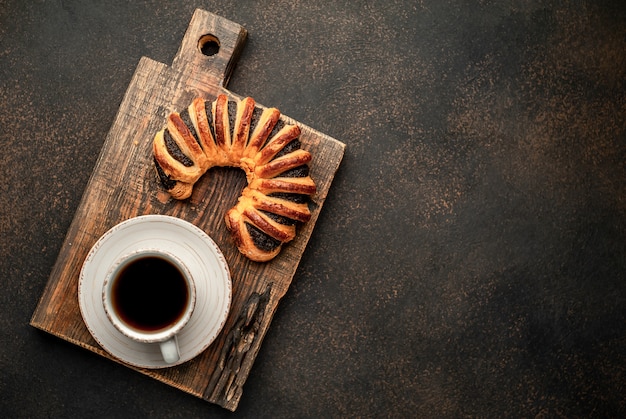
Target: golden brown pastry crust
column 271, row 205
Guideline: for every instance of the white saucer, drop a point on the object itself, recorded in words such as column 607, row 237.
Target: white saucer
column 198, row 251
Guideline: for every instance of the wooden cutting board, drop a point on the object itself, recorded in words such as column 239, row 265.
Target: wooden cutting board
column 123, row 185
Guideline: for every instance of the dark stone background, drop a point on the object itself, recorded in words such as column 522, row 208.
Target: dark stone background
column 470, row 259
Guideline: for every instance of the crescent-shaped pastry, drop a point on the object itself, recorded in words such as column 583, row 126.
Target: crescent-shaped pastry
column 237, row 133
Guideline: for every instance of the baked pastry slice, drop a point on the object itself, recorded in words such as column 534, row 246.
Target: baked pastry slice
column 237, row 133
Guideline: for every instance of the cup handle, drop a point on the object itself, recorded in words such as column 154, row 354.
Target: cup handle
column 170, row 351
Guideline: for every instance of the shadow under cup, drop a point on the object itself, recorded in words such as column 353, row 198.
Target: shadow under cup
column 149, row 296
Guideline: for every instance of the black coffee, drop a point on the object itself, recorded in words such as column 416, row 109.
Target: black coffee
column 150, row 293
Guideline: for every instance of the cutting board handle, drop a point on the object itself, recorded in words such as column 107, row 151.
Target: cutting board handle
column 210, row 48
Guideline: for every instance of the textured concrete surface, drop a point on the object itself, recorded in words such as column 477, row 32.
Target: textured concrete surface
column 470, row 260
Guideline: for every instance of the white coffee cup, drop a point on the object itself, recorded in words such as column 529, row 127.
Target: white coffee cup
column 149, row 296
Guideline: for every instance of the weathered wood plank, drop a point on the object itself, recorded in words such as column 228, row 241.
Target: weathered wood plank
column 123, row 185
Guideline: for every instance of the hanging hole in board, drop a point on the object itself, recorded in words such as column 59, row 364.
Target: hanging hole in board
column 209, row 45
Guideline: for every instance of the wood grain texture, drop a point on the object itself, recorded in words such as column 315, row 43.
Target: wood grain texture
column 124, row 185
